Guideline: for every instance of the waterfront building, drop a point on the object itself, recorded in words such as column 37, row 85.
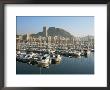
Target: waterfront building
column 53, row 41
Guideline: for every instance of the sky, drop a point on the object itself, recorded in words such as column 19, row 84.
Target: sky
column 76, row 25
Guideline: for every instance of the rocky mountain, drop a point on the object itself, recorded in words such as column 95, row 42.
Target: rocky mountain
column 52, row 31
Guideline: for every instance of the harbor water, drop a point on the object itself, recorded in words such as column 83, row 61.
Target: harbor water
column 68, row 65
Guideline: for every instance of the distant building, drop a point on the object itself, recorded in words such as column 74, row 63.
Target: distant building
column 49, row 40
column 20, row 37
column 29, row 37
column 45, row 31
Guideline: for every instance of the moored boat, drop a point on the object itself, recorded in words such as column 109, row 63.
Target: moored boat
column 44, row 59
column 86, row 52
column 77, row 53
column 55, row 57
column 92, row 50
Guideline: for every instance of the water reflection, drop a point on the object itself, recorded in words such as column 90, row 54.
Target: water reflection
column 56, row 62
column 67, row 65
column 46, row 65
column 43, row 65
column 86, row 56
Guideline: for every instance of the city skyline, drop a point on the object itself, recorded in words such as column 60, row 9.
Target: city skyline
column 76, row 25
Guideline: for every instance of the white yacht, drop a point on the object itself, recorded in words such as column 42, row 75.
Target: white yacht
column 27, row 58
column 55, row 57
column 58, row 58
column 45, row 59
column 77, row 53
column 19, row 57
column 87, row 52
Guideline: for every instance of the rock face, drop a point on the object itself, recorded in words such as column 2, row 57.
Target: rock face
column 52, row 31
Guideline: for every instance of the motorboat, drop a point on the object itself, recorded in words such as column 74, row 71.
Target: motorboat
column 44, row 59
column 27, row 58
column 19, row 57
column 43, row 65
column 77, row 53
column 58, row 58
column 92, row 50
column 86, row 52
column 55, row 57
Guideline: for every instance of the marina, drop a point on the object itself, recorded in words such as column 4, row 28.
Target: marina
column 55, row 49
column 48, row 56
column 68, row 65
column 45, row 52
column 48, row 62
